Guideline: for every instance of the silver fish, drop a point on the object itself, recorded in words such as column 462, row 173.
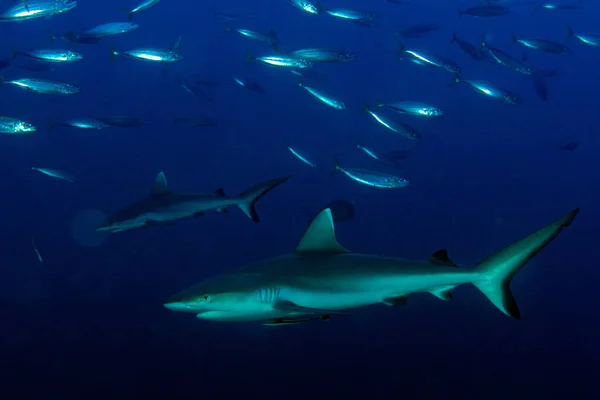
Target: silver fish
column 488, row 90
column 371, row 178
column 55, row 174
column 15, row 127
column 301, row 156
column 111, row 28
column 282, row 61
column 323, row 97
column 420, row 58
column 50, row 55
column 323, row 55
column 395, row 126
column 43, row 86
column 591, row 39
column 26, row 10
column 548, row 46
column 154, row 55
column 142, row 6
column 82, row 123
column 369, row 152
column 308, row 6
column 357, row 16
column 413, row 108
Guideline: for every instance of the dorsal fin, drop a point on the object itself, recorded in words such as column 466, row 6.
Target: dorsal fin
column 320, row 236
column 441, row 257
column 220, row 192
column 160, row 185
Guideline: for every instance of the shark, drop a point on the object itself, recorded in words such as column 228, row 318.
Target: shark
column 162, row 205
column 321, row 278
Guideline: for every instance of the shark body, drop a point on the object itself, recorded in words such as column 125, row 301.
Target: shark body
column 321, row 278
column 163, row 205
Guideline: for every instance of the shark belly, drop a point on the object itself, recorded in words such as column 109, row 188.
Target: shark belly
column 326, row 300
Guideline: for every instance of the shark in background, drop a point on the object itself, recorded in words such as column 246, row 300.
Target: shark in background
column 165, row 206
column 321, row 278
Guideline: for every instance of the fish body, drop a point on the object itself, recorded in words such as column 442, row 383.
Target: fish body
column 357, row 16
column 322, row 55
column 413, row 108
column 53, row 173
column 468, row 48
column 153, row 55
column 323, row 97
column 420, row 30
column 310, row 7
column 164, row 206
column 561, row 6
column 197, row 122
column 486, row 11
column 283, row 61
column 140, row 7
column 14, row 126
column 84, row 123
column 253, row 86
column 322, row 278
column 26, row 10
column 505, row 59
column 122, row 121
column 591, row 39
column 109, row 29
column 51, row 55
column 371, row 178
column 369, row 152
column 548, row 46
column 420, row 58
column 301, row 156
column 44, row 86
column 270, row 38
column 395, row 126
column 487, row 89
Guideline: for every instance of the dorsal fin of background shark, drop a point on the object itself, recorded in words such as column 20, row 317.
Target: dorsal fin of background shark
column 160, row 185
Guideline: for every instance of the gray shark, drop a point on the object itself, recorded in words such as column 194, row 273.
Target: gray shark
column 321, row 278
column 163, row 205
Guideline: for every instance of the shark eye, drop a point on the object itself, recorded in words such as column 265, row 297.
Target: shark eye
column 206, row 298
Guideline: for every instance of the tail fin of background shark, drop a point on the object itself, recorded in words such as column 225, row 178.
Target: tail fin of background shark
column 249, row 198
column 496, row 271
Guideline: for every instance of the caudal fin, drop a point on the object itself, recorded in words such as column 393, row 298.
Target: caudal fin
column 496, row 272
column 249, row 198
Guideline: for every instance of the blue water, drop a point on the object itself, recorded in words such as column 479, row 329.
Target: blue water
column 89, row 323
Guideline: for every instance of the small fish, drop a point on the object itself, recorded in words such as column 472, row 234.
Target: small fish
column 539, row 84
column 427, row 59
column 370, row 152
column 281, row 61
column 566, row 5
column 252, row 86
column 232, row 17
column 395, row 126
column 416, row 31
column 364, row 18
column 591, row 39
column 301, row 156
column 140, row 7
column 571, row 146
column 30, row 9
column 15, row 127
column 122, row 121
column 36, row 251
column 323, row 55
column 371, row 178
column 308, row 6
column 487, row 89
column 270, row 37
column 43, row 86
column 154, row 55
column 485, row 11
column 325, row 98
column 193, row 121
column 37, row 66
column 55, row 174
column 413, row 108
column 109, row 29
column 505, row 59
column 78, row 38
column 81, row 123
column 50, row 55
column 468, row 48
column 548, row 46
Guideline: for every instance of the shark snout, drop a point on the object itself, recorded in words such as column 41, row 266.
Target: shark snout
column 179, row 306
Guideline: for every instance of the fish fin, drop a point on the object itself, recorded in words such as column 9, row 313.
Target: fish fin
column 220, row 192
column 15, row 53
column 453, row 38
column 401, row 49
column 296, row 321
column 366, row 107
column 570, row 32
column 320, row 236
column 440, row 257
column 249, row 198
column 443, row 293
column 249, row 57
column 128, row 12
column 222, row 210
column 457, row 79
column 494, row 274
column 160, row 185
column 113, row 53
column 336, row 166
column 395, row 301
column 288, row 306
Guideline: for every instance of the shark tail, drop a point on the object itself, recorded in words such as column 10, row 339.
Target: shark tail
column 249, row 198
column 496, row 271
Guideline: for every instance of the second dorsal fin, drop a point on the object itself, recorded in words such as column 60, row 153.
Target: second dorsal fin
column 160, row 185
column 320, row 236
column 441, row 257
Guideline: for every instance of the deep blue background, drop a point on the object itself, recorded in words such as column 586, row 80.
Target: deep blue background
column 89, row 322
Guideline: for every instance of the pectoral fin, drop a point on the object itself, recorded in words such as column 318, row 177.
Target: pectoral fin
column 395, row 301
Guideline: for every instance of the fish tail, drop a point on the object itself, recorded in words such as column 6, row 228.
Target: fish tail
column 249, row 57
column 113, row 53
column 483, row 44
column 570, row 32
column 336, row 166
column 366, row 107
column 249, row 198
column 128, row 12
column 457, row 79
column 401, row 49
column 514, row 38
column 15, row 53
column 494, row 274
column 453, row 38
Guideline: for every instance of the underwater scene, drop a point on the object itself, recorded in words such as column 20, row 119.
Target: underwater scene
column 299, row 199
